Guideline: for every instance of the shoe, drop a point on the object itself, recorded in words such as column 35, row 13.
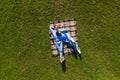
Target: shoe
column 79, row 51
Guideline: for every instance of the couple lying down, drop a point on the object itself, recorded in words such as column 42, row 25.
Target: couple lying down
column 61, row 38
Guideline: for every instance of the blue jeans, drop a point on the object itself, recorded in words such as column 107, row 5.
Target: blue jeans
column 60, row 47
column 73, row 45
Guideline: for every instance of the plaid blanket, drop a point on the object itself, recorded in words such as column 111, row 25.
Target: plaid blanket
column 70, row 26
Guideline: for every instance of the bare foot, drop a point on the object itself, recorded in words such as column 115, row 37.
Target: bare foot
column 62, row 59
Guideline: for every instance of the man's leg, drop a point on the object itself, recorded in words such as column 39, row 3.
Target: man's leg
column 72, row 43
column 75, row 47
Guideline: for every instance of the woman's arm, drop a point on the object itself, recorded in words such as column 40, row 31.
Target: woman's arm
column 53, row 32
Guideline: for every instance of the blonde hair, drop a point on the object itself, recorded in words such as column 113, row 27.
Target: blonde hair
column 55, row 26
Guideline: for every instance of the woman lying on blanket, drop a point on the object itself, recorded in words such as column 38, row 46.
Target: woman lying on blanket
column 62, row 38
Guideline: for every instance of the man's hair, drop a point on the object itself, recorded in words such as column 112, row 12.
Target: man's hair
column 58, row 32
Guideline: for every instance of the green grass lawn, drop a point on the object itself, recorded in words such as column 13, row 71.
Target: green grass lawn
column 25, row 52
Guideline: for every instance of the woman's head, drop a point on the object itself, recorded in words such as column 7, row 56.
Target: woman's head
column 55, row 26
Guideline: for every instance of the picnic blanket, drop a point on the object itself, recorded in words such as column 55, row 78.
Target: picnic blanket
column 70, row 26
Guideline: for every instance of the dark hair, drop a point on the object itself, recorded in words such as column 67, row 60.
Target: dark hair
column 57, row 32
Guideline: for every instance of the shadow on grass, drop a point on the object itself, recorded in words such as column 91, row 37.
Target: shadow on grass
column 63, row 64
column 76, row 55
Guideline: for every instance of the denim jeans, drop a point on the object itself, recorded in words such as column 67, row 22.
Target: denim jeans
column 60, row 48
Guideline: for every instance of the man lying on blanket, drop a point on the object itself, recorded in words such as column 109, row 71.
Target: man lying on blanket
column 62, row 38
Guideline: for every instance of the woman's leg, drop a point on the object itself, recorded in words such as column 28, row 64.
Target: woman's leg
column 60, row 49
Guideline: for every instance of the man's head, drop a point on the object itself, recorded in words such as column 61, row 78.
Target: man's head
column 58, row 32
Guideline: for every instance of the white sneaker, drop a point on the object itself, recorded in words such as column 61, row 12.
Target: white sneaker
column 79, row 51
